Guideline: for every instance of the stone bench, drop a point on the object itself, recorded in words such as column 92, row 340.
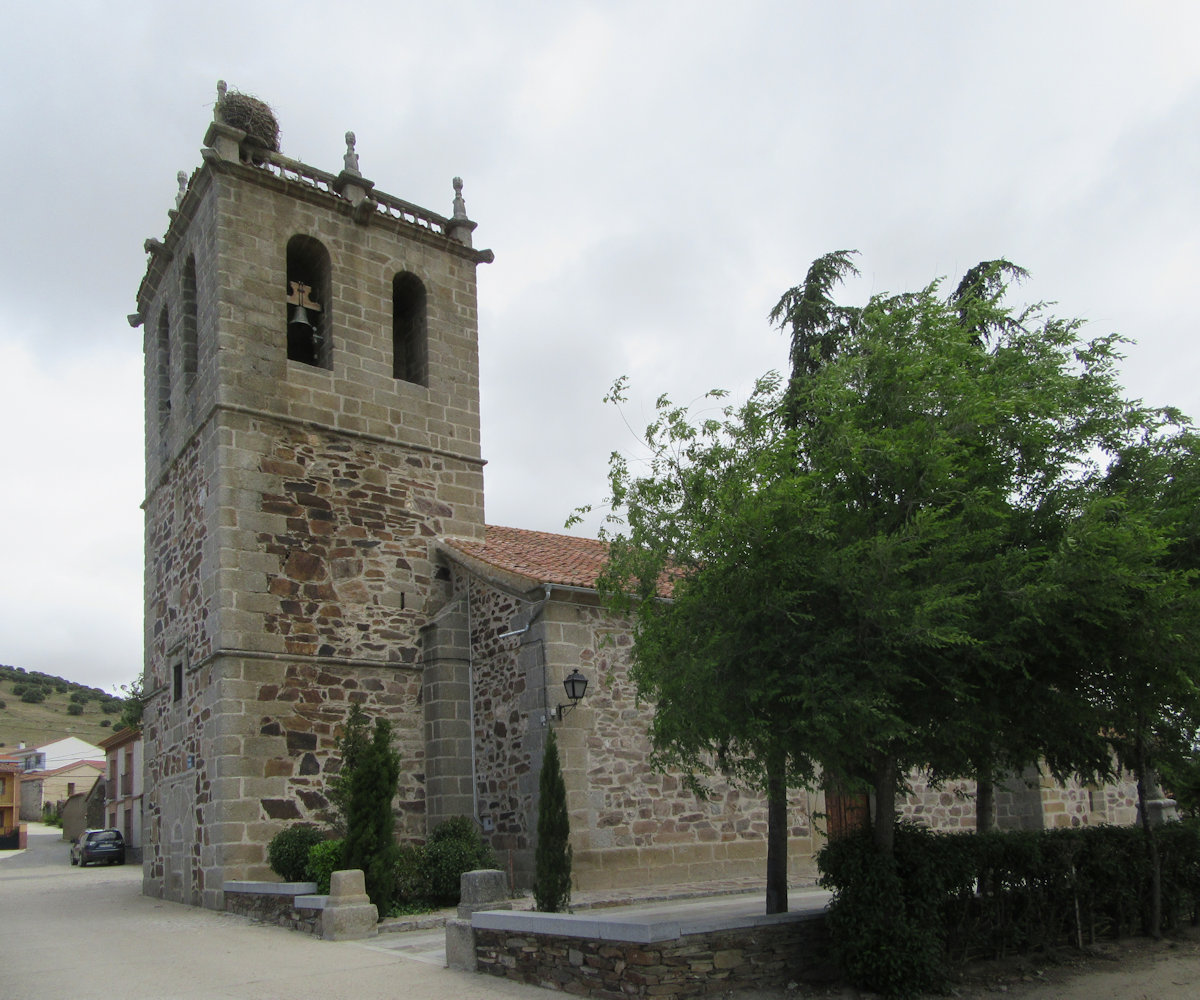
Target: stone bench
column 345, row 914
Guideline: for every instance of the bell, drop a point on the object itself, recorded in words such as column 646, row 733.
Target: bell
column 300, row 318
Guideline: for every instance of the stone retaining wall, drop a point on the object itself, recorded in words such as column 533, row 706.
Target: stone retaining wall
column 277, row 903
column 770, row 952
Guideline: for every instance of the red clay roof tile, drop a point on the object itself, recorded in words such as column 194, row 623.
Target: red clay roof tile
column 539, row 556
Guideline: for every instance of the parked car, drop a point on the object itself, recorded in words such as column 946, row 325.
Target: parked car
column 98, row 845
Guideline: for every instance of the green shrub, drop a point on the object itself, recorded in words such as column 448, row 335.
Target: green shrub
column 34, row 695
column 898, row 924
column 885, row 933
column 324, row 858
column 412, row 876
column 79, row 697
column 104, row 723
column 444, row 864
column 287, row 854
column 455, row 846
column 74, row 709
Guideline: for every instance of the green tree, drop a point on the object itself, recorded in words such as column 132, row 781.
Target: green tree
column 1130, row 567
column 853, row 554
column 370, row 823
column 552, row 885
column 352, row 741
column 132, row 705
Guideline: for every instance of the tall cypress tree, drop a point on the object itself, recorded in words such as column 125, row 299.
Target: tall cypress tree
column 552, row 889
column 370, row 823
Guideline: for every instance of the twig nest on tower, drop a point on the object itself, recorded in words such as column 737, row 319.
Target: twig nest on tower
column 252, row 116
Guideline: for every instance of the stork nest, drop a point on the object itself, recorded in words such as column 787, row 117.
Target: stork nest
column 252, row 116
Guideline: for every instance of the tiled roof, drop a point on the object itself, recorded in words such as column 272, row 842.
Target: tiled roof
column 97, row 764
column 127, row 734
column 532, row 558
column 537, row 556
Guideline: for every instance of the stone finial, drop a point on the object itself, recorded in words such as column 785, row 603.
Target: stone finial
column 352, row 186
column 460, row 206
column 221, row 91
column 351, row 157
column 459, row 226
column 182, row 179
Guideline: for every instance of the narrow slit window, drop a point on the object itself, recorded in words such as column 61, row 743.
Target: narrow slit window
column 189, row 323
column 307, row 302
column 163, row 370
column 410, row 342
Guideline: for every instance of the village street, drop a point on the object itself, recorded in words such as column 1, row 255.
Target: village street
column 89, row 934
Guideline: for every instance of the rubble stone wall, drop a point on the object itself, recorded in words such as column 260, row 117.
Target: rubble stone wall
column 1031, row 802
column 631, row 823
column 761, row 957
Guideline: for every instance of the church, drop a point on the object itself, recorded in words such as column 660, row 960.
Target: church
column 315, row 538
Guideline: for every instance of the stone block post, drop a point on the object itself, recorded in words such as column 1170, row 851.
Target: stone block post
column 349, row 913
column 485, row 889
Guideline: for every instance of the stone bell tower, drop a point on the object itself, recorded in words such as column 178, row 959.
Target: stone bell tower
column 312, row 426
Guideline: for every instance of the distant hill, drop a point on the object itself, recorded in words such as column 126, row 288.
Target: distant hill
column 38, row 708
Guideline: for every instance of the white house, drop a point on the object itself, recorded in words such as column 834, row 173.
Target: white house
column 52, row 756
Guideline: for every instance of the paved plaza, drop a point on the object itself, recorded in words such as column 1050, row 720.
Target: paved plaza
column 87, row 933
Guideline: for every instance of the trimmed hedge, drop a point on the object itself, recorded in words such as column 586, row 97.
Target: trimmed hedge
column 899, row 925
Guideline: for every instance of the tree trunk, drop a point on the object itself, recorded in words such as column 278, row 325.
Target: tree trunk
column 885, row 803
column 1155, row 928
column 777, row 833
column 985, row 803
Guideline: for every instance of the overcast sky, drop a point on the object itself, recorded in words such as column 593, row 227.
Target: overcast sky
column 651, row 177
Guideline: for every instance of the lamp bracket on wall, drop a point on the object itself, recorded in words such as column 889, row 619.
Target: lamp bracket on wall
column 576, row 686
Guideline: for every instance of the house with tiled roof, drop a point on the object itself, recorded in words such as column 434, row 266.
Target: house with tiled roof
column 123, row 785
column 54, row 754
column 52, row 787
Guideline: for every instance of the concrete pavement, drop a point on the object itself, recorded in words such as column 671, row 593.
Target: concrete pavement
column 89, row 934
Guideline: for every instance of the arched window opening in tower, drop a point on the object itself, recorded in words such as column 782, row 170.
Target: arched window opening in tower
column 307, row 303
column 410, row 342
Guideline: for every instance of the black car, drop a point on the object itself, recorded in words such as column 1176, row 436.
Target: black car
column 98, row 845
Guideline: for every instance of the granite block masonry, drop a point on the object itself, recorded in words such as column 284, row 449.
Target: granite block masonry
column 349, row 913
column 293, row 487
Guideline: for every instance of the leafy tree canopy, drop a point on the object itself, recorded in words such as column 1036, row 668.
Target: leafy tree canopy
column 867, row 558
